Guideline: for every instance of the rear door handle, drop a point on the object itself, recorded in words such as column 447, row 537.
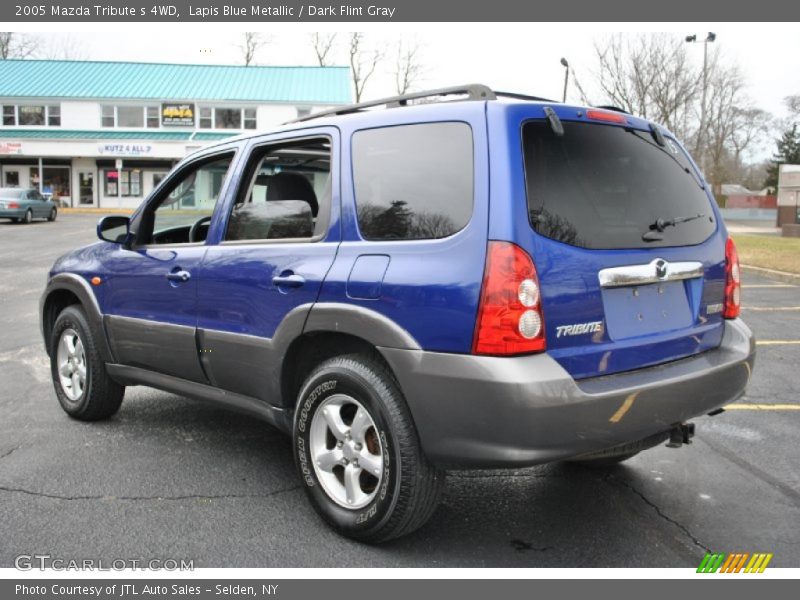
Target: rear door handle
column 291, row 280
column 179, row 276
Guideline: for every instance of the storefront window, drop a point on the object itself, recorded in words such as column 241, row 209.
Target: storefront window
column 128, row 180
column 249, row 118
column 54, row 116
column 205, row 117
column 27, row 115
column 31, row 115
column 56, row 181
column 129, row 116
column 222, row 117
column 152, row 117
column 107, row 116
column 9, row 115
column 227, row 118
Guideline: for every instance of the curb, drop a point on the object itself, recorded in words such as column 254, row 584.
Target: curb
column 95, row 211
column 780, row 275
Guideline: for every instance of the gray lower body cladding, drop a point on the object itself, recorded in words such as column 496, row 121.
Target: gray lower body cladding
column 482, row 412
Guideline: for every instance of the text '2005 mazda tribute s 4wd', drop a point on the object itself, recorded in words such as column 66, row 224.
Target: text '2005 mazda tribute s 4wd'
column 489, row 281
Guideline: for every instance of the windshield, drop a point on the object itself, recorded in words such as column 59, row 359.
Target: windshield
column 602, row 186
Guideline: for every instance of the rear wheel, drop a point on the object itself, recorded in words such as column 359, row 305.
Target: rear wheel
column 53, row 214
column 84, row 389
column 358, row 452
column 28, row 216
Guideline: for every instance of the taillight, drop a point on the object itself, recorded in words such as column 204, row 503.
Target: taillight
column 510, row 319
column 13, row 205
column 733, row 282
column 606, row 115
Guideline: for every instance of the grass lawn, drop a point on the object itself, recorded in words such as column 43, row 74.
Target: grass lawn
column 770, row 252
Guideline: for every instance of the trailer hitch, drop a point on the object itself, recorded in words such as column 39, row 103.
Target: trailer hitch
column 681, row 434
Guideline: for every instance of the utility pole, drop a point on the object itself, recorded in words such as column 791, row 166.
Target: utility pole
column 565, row 64
column 701, row 134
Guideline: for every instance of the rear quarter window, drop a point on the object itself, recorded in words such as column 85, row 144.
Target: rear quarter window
column 413, row 182
column 603, row 186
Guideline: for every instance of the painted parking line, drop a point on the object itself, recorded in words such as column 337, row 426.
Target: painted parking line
column 777, row 342
column 770, row 308
column 763, row 407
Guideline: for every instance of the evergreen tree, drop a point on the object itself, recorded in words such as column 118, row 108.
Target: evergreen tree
column 788, row 152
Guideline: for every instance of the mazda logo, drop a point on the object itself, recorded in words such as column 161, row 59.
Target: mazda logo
column 661, row 269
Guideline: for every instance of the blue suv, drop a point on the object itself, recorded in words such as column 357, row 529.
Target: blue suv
column 464, row 279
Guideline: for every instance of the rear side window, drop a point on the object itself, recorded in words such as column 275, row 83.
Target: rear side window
column 413, row 182
column 602, row 186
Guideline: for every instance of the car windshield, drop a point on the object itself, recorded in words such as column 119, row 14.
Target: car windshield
column 11, row 192
column 603, row 186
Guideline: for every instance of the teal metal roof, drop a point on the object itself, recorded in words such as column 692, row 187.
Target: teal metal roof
column 157, row 81
column 113, row 134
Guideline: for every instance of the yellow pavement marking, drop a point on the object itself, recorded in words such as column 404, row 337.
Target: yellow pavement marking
column 775, row 342
column 624, row 408
column 763, row 407
column 770, row 308
column 768, row 285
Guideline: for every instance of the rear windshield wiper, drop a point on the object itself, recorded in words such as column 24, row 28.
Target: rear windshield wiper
column 661, row 224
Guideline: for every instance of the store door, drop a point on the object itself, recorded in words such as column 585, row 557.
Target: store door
column 86, row 187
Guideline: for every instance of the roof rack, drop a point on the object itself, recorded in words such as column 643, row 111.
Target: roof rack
column 473, row 91
column 517, row 96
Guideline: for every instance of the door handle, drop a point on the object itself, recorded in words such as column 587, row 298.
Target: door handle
column 288, row 280
column 179, row 275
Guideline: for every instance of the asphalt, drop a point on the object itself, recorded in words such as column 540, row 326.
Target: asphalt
column 171, row 478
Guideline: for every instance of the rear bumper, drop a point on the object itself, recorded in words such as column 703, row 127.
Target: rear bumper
column 12, row 213
column 482, row 412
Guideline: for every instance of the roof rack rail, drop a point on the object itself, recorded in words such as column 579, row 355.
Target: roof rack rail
column 517, row 96
column 473, row 91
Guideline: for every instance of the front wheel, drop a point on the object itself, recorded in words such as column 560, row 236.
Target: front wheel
column 358, row 452
column 84, row 389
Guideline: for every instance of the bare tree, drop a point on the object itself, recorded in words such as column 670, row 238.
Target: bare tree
column 649, row 75
column 408, row 69
column 323, row 45
column 65, row 47
column 793, row 104
column 362, row 63
column 251, row 43
column 17, row 45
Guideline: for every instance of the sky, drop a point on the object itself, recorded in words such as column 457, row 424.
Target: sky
column 521, row 57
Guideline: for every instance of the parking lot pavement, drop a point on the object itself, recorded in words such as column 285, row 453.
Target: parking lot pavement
column 171, row 478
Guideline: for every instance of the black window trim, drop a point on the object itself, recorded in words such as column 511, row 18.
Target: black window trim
column 247, row 175
column 466, row 225
column 695, row 174
column 174, row 177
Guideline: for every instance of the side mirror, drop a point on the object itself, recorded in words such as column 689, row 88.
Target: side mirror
column 114, row 228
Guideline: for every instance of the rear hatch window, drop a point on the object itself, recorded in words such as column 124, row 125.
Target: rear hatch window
column 607, row 187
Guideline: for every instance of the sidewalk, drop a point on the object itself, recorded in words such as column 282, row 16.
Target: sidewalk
column 90, row 210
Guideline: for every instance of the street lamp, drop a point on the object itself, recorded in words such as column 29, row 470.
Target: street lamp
column 565, row 64
column 692, row 39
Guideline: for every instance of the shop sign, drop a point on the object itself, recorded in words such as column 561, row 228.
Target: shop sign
column 10, row 148
column 181, row 115
column 126, row 149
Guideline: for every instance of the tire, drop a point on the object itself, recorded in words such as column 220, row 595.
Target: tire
column 53, row 214
column 613, row 456
column 28, row 217
column 399, row 489
column 96, row 396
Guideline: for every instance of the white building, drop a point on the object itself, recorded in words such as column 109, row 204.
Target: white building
column 104, row 133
